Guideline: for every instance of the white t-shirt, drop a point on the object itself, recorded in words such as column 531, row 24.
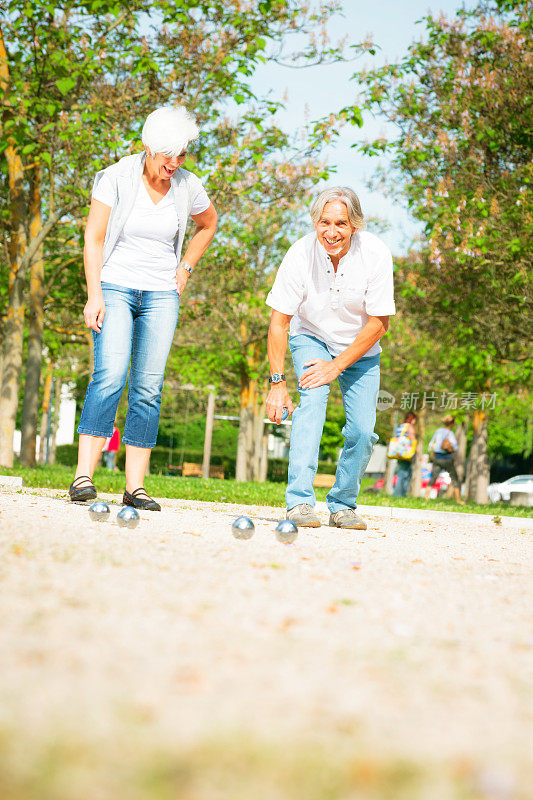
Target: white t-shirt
column 334, row 307
column 143, row 257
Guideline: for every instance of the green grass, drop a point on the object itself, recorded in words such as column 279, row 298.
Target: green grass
column 235, row 766
column 229, row 491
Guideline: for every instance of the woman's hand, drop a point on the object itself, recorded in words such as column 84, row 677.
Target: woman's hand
column 94, row 312
column 278, row 399
column 320, row 373
column 182, row 276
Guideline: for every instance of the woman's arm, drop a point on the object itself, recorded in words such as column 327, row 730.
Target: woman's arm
column 95, row 230
column 206, row 225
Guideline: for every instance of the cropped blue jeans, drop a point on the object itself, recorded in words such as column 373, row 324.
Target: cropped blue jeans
column 359, row 385
column 138, row 328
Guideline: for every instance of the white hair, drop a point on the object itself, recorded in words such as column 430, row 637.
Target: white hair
column 346, row 196
column 168, row 130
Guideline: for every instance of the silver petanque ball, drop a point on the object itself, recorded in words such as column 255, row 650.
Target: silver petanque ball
column 243, row 528
column 99, row 511
column 286, row 531
column 128, row 517
column 284, row 414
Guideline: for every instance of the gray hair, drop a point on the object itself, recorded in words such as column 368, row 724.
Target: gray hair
column 346, row 196
column 168, row 130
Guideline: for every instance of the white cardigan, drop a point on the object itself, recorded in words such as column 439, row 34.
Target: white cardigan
column 126, row 176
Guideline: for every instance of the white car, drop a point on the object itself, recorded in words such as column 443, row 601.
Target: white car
column 503, row 491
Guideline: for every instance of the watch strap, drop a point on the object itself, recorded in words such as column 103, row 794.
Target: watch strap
column 276, row 378
column 186, row 266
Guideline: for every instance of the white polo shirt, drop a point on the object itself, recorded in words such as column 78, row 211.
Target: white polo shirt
column 334, row 307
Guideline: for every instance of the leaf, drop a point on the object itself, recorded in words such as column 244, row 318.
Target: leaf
column 65, row 85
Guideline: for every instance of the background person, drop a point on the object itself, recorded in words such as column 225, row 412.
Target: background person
column 135, row 277
column 443, row 445
column 334, row 293
column 111, row 448
column 404, row 466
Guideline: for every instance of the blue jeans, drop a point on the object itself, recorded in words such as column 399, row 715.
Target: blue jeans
column 404, row 470
column 138, row 326
column 359, row 386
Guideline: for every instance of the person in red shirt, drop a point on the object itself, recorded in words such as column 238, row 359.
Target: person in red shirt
column 111, row 449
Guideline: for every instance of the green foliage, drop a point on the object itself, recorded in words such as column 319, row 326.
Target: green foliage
column 79, row 81
column 332, row 438
column 463, row 158
column 182, row 433
column 509, row 430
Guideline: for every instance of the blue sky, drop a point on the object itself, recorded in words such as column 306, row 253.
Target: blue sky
column 317, row 91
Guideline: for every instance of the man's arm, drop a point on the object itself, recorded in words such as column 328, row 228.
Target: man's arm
column 322, row 372
column 278, row 396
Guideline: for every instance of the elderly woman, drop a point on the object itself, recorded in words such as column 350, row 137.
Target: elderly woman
column 135, row 277
column 333, row 294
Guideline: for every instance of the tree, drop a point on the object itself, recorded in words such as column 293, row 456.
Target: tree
column 77, row 80
column 463, row 157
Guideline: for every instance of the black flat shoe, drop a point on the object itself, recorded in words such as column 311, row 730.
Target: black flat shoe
column 79, row 494
column 144, row 502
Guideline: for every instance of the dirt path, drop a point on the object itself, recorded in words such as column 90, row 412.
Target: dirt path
column 410, row 643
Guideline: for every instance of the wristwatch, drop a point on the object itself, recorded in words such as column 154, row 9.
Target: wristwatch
column 276, row 378
column 186, row 266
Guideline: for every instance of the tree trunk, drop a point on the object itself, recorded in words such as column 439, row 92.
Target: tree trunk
column 245, row 442
column 30, row 405
column 251, row 434
column 11, row 370
column 209, row 420
column 249, row 442
column 263, row 466
column 478, row 461
column 469, row 464
column 44, row 412
column 55, row 421
column 460, row 457
column 390, row 464
column 259, row 431
column 415, row 486
column 14, row 321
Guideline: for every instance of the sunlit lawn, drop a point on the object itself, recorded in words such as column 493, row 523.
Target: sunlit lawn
column 229, row 491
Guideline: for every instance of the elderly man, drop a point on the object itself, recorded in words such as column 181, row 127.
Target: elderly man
column 334, row 294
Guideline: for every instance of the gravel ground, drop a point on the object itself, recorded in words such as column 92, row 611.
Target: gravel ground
column 410, row 641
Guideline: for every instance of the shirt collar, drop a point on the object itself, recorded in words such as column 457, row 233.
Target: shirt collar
column 324, row 257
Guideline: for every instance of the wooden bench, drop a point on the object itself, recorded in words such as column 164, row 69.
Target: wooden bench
column 191, row 470
column 324, row 481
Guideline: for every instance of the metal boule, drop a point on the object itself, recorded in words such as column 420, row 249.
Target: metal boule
column 128, row 517
column 286, row 531
column 243, row 528
column 99, row 511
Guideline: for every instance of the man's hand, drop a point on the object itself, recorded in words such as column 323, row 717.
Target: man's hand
column 278, row 399
column 320, row 373
column 94, row 312
column 182, row 276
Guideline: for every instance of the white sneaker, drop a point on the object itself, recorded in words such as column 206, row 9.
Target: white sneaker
column 304, row 516
column 347, row 518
